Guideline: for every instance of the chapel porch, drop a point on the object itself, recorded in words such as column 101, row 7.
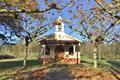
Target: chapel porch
column 60, row 51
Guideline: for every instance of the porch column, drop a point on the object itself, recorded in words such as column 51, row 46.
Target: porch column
column 74, row 51
column 74, row 48
column 44, row 51
column 79, row 52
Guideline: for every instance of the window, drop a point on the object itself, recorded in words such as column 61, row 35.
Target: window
column 47, row 52
column 71, row 50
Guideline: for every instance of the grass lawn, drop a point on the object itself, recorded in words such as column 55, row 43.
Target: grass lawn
column 101, row 63
column 11, row 66
column 12, row 63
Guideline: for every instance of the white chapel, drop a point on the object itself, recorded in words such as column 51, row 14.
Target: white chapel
column 60, row 47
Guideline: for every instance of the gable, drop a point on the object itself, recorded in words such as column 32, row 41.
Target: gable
column 64, row 37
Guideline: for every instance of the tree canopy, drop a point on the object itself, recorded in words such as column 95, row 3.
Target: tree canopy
column 90, row 18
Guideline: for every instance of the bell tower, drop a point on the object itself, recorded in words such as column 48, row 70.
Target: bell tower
column 59, row 28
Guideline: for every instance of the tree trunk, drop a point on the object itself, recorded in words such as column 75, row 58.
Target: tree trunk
column 99, row 55
column 25, row 57
column 0, row 49
column 95, row 57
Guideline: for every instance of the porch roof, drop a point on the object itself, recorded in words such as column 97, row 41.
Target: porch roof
column 59, row 42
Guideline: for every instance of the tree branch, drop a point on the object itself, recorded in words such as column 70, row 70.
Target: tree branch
column 88, row 36
column 115, row 16
column 25, row 11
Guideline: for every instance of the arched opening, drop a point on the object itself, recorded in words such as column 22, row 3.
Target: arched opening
column 71, row 50
column 59, row 52
column 47, row 52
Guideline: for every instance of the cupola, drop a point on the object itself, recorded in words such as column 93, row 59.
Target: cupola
column 59, row 25
column 59, row 28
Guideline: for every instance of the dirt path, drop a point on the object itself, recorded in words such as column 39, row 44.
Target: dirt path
column 59, row 74
column 66, row 72
column 51, row 73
